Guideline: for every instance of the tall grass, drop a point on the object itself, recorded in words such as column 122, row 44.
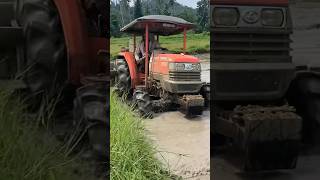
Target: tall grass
column 132, row 155
column 196, row 43
column 28, row 152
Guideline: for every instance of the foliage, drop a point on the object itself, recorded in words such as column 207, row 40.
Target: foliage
column 29, row 153
column 137, row 9
column 203, row 15
column 122, row 13
column 132, row 156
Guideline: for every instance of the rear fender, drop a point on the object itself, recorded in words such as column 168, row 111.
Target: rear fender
column 129, row 58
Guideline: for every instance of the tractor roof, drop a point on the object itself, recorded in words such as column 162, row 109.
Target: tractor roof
column 158, row 24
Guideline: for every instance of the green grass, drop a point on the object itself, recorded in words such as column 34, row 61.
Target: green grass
column 196, row 43
column 132, row 154
column 27, row 151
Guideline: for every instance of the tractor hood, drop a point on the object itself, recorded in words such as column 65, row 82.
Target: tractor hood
column 178, row 58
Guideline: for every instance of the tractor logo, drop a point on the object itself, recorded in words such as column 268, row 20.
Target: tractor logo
column 251, row 17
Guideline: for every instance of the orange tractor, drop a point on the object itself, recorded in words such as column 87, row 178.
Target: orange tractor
column 165, row 79
column 48, row 46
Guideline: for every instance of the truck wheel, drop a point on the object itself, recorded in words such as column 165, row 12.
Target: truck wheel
column 43, row 55
column 143, row 102
column 90, row 110
column 123, row 79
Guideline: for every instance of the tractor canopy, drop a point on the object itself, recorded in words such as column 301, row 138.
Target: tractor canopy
column 251, row 2
column 158, row 24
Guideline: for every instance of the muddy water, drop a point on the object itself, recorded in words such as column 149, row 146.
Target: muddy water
column 184, row 144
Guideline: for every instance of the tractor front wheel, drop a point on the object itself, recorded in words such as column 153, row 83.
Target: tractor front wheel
column 143, row 102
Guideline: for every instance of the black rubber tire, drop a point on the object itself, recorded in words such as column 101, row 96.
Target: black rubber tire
column 44, row 52
column 91, row 108
column 142, row 100
column 205, row 92
column 304, row 94
column 123, row 79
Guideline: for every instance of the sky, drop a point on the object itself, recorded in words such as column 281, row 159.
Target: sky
column 190, row 3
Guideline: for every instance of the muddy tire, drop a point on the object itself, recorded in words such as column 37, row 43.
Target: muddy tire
column 43, row 55
column 143, row 103
column 205, row 92
column 123, row 79
column 90, row 110
column 304, row 94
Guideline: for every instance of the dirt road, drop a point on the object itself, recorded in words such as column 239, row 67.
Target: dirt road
column 306, row 50
column 184, row 144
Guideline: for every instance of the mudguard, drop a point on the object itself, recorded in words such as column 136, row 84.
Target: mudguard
column 129, row 57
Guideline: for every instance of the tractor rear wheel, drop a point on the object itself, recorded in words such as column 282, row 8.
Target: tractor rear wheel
column 43, row 55
column 123, row 79
column 143, row 102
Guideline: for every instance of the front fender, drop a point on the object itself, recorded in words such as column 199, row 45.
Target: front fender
column 129, row 58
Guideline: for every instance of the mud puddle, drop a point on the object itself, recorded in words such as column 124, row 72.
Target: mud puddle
column 184, row 144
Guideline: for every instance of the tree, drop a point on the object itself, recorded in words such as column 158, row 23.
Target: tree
column 138, row 9
column 171, row 4
column 187, row 15
column 166, row 10
column 203, row 14
column 125, row 12
column 159, row 6
column 146, row 8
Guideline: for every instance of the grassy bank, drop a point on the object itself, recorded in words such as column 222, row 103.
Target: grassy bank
column 196, row 43
column 132, row 155
column 27, row 152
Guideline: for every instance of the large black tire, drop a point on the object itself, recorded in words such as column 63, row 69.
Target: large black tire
column 123, row 79
column 205, row 92
column 143, row 102
column 91, row 109
column 304, row 94
column 43, row 55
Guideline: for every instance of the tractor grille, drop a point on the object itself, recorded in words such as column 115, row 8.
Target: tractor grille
column 185, row 76
column 240, row 46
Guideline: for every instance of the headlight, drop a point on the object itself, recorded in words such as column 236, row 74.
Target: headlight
column 225, row 16
column 272, row 17
column 185, row 67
